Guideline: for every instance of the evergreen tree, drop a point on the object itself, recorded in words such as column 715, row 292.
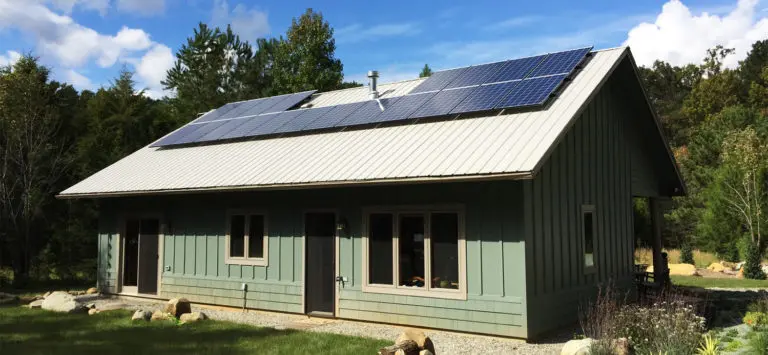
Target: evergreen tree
column 686, row 254
column 426, row 71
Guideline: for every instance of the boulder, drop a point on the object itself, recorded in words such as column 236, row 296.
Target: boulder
column 621, row 346
column 406, row 347
column 716, row 267
column 178, row 306
column 93, row 311
column 91, row 291
column 47, row 294
column 63, row 302
column 192, row 317
column 90, row 306
column 728, row 264
column 35, row 304
column 159, row 316
column 577, row 347
column 426, row 352
column 421, row 339
column 764, row 267
column 141, row 315
column 679, row 269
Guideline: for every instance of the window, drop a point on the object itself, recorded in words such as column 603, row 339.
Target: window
column 588, row 236
column 247, row 240
column 415, row 251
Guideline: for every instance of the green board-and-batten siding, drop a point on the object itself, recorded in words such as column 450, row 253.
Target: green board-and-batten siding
column 193, row 248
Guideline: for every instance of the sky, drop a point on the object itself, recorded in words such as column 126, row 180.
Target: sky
column 87, row 42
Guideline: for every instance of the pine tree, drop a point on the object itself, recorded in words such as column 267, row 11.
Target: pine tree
column 426, row 71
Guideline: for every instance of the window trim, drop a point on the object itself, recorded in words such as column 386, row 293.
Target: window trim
column 584, row 210
column 427, row 291
column 245, row 260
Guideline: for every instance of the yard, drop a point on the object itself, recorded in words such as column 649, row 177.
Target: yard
column 34, row 331
column 719, row 282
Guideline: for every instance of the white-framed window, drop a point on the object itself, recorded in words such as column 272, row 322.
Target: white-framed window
column 417, row 251
column 246, row 241
column 588, row 237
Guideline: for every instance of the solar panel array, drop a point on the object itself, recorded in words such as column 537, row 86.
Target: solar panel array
column 523, row 82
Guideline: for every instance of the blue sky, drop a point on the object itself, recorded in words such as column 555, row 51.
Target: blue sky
column 86, row 42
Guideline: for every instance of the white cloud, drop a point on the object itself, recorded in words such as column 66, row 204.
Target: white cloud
column 514, row 22
column 141, row 7
column 358, row 33
column 68, row 5
column 680, row 37
column 69, row 42
column 250, row 24
column 79, row 81
column 10, row 58
column 152, row 67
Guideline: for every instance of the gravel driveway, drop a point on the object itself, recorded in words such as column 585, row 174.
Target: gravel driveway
column 445, row 342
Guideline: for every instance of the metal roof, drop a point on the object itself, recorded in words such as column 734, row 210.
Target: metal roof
column 501, row 145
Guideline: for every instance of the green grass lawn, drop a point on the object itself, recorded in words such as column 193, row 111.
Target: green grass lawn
column 696, row 281
column 35, row 331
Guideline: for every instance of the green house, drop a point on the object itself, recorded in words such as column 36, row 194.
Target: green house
column 498, row 221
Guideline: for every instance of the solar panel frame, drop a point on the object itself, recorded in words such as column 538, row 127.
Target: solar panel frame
column 531, row 92
column 484, row 97
column 560, row 62
column 335, row 116
column 442, row 103
column 438, row 80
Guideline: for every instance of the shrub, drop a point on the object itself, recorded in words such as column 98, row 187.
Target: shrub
column 686, row 254
column 708, row 346
column 755, row 319
column 732, row 333
column 758, row 343
column 752, row 268
column 601, row 347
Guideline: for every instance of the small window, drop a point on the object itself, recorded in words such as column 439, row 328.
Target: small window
column 246, row 239
column 588, row 234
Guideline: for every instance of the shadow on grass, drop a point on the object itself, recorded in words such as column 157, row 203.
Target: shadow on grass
column 24, row 331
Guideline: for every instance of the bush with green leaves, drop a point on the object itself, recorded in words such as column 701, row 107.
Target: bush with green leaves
column 752, row 269
column 758, row 343
column 686, row 254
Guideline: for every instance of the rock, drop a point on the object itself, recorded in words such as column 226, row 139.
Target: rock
column 764, row 267
column 621, row 346
column 62, row 302
column 741, row 273
column 35, row 304
column 577, row 347
column 406, row 347
column 111, row 306
column 421, row 339
column 716, row 267
column 91, row 291
column 45, row 295
column 426, row 352
column 192, row 317
column 160, row 315
column 728, row 264
column 141, row 315
column 90, row 306
column 679, row 269
column 93, row 311
column 178, row 306
column 739, row 265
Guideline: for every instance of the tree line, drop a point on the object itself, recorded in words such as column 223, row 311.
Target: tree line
column 716, row 120
column 52, row 136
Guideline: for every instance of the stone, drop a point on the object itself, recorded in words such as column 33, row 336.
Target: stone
column 45, row 295
column 91, row 291
column 621, row 346
column 93, row 311
column 406, row 347
column 141, row 315
column 679, row 269
column 421, row 339
column 764, row 267
column 178, row 306
column 159, row 316
column 716, row 267
column 35, row 304
column 192, row 317
column 728, row 264
column 426, row 352
column 60, row 301
column 577, row 347
column 90, row 306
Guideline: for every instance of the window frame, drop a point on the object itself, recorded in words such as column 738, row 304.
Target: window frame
column 427, row 290
column 593, row 268
column 245, row 259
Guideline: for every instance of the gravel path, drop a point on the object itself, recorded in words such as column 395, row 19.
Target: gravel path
column 445, row 342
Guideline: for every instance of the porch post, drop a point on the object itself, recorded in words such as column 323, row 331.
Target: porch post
column 660, row 267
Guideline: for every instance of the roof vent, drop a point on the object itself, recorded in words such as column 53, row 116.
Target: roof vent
column 372, row 76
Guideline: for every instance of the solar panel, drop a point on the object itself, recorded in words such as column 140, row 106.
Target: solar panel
column 516, row 69
column 202, row 129
column 438, row 80
column 442, row 103
column 560, row 63
column 403, row 108
column 228, row 126
column 476, row 75
column 175, row 136
column 298, row 123
column 273, row 124
column 291, row 101
column 238, row 111
column 217, row 113
column 333, row 117
column 532, row 91
column 485, row 97
column 250, row 124
column 368, row 113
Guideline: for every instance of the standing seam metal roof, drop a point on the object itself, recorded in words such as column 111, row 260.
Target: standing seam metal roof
column 497, row 145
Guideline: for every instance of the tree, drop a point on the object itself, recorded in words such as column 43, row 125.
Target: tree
column 32, row 157
column 215, row 67
column 425, row 72
column 305, row 59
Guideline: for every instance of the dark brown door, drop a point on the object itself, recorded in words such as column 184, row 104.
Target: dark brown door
column 148, row 255
column 320, row 230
